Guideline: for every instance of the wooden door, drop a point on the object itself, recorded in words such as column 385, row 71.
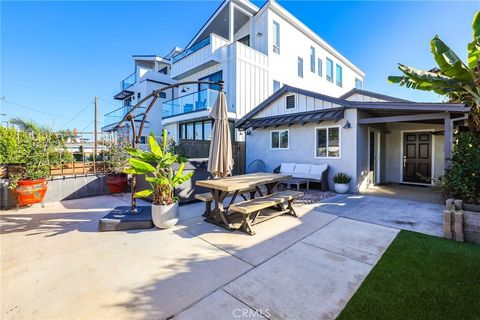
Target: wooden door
column 417, row 157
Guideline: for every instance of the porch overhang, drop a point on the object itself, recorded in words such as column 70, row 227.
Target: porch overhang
column 335, row 114
column 123, row 95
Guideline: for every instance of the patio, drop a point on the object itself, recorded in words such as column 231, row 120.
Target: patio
column 68, row 269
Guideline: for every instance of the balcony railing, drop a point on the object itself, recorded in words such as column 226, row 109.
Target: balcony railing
column 196, row 101
column 116, row 115
column 205, row 42
column 128, row 81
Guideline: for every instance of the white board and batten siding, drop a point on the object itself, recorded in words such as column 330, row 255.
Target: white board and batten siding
column 364, row 98
column 303, row 103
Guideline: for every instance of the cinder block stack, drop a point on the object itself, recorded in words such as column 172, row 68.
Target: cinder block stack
column 453, row 220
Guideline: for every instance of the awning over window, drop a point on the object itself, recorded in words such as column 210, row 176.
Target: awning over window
column 123, row 95
column 303, row 117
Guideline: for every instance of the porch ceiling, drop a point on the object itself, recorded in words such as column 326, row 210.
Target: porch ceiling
column 413, row 115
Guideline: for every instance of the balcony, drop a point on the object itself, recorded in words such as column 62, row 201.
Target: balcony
column 115, row 116
column 128, row 81
column 196, row 101
column 199, row 56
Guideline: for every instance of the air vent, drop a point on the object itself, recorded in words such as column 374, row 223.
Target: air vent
column 290, row 102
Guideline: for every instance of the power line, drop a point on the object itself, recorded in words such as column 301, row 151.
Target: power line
column 78, row 114
column 105, row 100
column 88, row 125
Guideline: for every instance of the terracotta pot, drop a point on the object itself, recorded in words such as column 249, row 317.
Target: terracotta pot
column 31, row 191
column 165, row 216
column 117, row 183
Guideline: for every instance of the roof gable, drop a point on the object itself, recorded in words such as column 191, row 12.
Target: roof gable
column 358, row 95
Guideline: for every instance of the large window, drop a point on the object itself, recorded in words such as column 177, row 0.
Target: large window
column 198, row 130
column 279, row 139
column 312, row 59
column 214, row 77
column 300, row 67
column 276, row 37
column 338, row 76
column 327, row 142
column 329, row 70
column 320, row 67
column 358, row 84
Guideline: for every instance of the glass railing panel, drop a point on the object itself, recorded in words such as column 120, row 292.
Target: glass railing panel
column 117, row 115
column 205, row 42
column 129, row 81
column 196, row 101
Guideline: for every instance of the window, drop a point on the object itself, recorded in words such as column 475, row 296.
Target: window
column 327, row 142
column 338, row 71
column 279, row 139
column 276, row 37
column 312, row 59
column 245, row 40
column 207, row 130
column 276, row 85
column 300, row 67
column 329, row 70
column 138, row 95
column 214, row 77
column 189, row 131
column 319, row 62
column 198, row 134
column 358, row 84
column 143, row 140
column 182, row 131
column 290, row 102
column 164, row 70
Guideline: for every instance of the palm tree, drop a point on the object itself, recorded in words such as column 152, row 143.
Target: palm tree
column 459, row 82
column 28, row 125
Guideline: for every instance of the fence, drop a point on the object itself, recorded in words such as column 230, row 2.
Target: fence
column 200, row 149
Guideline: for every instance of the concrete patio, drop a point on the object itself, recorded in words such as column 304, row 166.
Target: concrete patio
column 54, row 263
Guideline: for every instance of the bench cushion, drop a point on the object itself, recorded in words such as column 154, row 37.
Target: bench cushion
column 317, row 169
column 287, row 167
column 301, row 168
column 261, row 203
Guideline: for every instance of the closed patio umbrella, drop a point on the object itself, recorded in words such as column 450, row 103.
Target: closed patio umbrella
column 220, row 159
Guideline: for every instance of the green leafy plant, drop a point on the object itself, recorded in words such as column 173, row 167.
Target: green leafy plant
column 458, row 81
column 118, row 157
column 341, row 177
column 156, row 165
column 462, row 180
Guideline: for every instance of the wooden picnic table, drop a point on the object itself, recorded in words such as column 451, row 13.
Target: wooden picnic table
column 221, row 188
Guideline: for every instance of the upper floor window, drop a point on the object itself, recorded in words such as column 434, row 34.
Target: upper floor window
column 312, row 59
column 276, row 85
column 245, row 40
column 279, row 139
column 338, row 76
column 300, row 67
column 290, row 102
column 329, row 70
column 276, row 37
column 358, row 84
column 320, row 67
column 214, row 77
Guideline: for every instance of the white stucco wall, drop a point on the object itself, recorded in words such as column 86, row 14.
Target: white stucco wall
column 302, row 147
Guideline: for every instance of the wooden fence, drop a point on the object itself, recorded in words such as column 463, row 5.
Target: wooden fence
column 200, row 149
column 65, row 169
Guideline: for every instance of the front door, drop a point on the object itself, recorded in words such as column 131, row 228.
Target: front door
column 417, row 157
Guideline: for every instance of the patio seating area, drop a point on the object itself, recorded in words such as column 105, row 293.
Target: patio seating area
column 282, row 272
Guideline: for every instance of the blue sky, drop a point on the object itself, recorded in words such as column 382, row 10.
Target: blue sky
column 56, row 56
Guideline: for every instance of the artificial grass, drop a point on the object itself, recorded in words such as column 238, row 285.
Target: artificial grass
column 420, row 277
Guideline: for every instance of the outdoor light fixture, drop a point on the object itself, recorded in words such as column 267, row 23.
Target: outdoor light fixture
column 248, row 132
column 347, row 125
column 259, row 34
column 184, row 89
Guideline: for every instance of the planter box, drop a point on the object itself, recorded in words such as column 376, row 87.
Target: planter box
column 471, row 227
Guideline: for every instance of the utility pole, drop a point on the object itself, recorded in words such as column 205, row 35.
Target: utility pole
column 95, row 135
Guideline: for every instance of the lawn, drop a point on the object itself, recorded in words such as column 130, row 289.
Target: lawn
column 420, row 277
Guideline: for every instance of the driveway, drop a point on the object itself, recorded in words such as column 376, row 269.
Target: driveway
column 54, row 264
column 419, row 216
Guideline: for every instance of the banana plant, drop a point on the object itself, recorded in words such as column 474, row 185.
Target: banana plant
column 156, row 164
column 458, row 81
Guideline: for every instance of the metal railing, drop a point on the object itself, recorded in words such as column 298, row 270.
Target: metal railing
column 196, row 101
column 203, row 43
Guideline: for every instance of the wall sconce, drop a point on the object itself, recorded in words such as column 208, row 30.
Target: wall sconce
column 259, row 34
column 248, row 132
column 347, row 125
column 184, row 89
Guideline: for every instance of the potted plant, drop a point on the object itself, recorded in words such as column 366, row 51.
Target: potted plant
column 341, row 182
column 117, row 180
column 156, row 165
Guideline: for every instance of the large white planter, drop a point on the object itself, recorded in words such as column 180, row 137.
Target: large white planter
column 165, row 216
column 341, row 187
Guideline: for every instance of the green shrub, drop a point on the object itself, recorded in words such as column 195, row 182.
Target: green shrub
column 341, row 177
column 462, row 180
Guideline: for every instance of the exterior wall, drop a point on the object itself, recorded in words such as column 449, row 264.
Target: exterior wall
column 302, row 147
column 394, row 147
column 294, row 44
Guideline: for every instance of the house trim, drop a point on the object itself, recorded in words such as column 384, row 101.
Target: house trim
column 378, row 156
column 432, row 152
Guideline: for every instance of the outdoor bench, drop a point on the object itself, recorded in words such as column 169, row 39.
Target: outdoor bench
column 264, row 208
column 207, row 197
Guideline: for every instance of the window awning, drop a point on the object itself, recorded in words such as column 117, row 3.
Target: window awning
column 123, row 94
column 302, row 117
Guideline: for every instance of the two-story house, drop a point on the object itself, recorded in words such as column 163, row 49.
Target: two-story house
column 254, row 51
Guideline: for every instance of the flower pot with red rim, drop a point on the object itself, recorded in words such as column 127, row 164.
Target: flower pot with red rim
column 117, row 183
column 31, row 191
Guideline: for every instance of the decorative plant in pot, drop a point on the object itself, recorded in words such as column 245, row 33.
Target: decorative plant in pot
column 117, row 180
column 341, row 182
column 156, row 165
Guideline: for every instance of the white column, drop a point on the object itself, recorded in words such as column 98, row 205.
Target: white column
column 231, row 22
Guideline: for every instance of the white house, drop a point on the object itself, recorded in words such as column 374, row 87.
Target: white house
column 254, row 51
column 372, row 137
